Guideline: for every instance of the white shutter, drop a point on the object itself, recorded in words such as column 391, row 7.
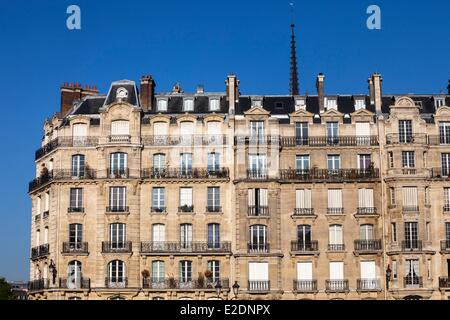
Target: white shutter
column 186, row 128
column 368, row 270
column 334, row 198
column 47, row 202
column 362, row 129
column 263, row 199
column 38, row 205
column 365, row 198
column 335, row 234
column 79, row 130
column 410, row 196
column 251, row 197
column 303, row 198
column 213, row 127
column 336, row 271
column 258, row 271
column 46, row 235
column 120, row 128
column 160, row 128
column 304, row 271
column 186, row 197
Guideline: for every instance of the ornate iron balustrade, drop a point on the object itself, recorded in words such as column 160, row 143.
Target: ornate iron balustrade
column 194, row 173
column 413, row 282
column 116, row 282
column 444, row 282
column 75, row 247
column 303, row 211
column 410, row 209
column 74, row 283
column 366, row 210
column 412, row 245
column 259, row 285
column 368, row 245
column 172, row 283
column 75, row 209
column 445, row 245
column 336, row 285
column 122, row 173
column 38, row 285
column 40, row 251
column 64, row 174
column 66, row 142
column 186, row 209
column 158, row 209
column 338, row 175
column 305, row 285
column 257, row 174
column 119, row 139
column 336, row 247
column 257, row 140
column 258, row 211
column 440, row 173
column 306, row 247
column 185, row 247
column 258, row 247
column 335, row 211
column 368, row 285
column 117, row 209
column 192, row 140
column 213, row 209
column 117, row 247
column 417, row 138
column 324, row 141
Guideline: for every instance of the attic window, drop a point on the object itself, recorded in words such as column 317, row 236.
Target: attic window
column 188, row 105
column 331, row 103
column 257, row 103
column 360, row 104
column 122, row 93
column 214, row 104
column 438, row 102
column 300, row 104
column 162, row 105
column 279, row 105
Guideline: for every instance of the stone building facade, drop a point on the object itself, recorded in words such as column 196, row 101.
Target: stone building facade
column 144, row 195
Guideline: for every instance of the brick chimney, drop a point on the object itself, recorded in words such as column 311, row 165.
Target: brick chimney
column 378, row 93
column 147, row 92
column 320, row 85
column 72, row 92
column 232, row 84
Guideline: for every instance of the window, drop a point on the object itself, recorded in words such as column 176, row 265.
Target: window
column 116, row 271
column 410, row 199
column 337, row 272
column 213, row 129
column 335, row 237
column 46, row 202
column 365, row 200
column 79, row 134
column 120, row 128
column 213, row 235
column 117, row 235
column 38, row 205
column 332, row 133
column 331, row 103
column 257, row 131
column 158, row 271
column 393, row 232
column 162, row 105
column 214, row 104
column 444, row 132
column 186, row 163
column 117, row 199
column 445, row 162
column 405, row 131
column 159, row 199
column 366, row 232
column 78, row 165
column 74, row 275
column 38, row 237
column 302, row 163
column 258, row 202
column 256, row 103
column 158, row 236
column 186, row 200
column 258, row 275
column 300, row 104
column 412, row 272
column 186, row 235
column 303, row 236
column 391, row 159
column 76, row 199
column 446, row 199
column 368, row 275
column 160, row 131
column 363, row 133
column 258, row 238
column 213, row 199
column 301, row 133
column 304, row 273
column 429, row 269
column 392, row 196
column 188, row 104
column 187, row 130
column 334, row 163
column 159, row 162
column 364, row 162
column 213, row 162
column 335, row 201
column 46, row 235
column 411, row 241
column 185, row 271
column 118, row 165
column 75, row 236
column 360, row 104
column 214, row 267
column 428, row 231
column 408, row 159
column 447, row 234
column 439, row 102
column 303, row 199
column 257, row 165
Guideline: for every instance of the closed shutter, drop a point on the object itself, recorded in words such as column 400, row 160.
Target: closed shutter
column 120, row 128
column 251, row 197
column 303, row 198
column 185, row 197
column 410, row 196
column 304, row 271
column 263, row 198
column 160, row 128
column 335, row 234
column 334, row 198
column 365, row 198
column 336, row 271
column 258, row 271
column 368, row 270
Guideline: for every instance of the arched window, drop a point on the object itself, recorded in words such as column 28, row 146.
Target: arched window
column 74, row 275
column 118, row 165
column 78, row 162
column 79, row 134
column 120, row 128
column 335, row 236
column 116, row 274
column 258, row 238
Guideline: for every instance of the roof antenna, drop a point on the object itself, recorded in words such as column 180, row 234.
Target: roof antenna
column 293, row 85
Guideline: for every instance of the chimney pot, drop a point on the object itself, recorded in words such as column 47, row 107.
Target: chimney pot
column 200, row 89
column 320, row 85
column 147, row 92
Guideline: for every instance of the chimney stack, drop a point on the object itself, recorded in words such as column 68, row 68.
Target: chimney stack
column 72, row 92
column 232, row 84
column 147, row 92
column 371, row 91
column 320, row 85
column 200, row 89
column 377, row 91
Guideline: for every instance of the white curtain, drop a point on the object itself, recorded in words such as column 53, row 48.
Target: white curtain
column 303, row 198
column 304, row 271
column 258, row 271
column 79, row 130
column 334, row 198
column 336, row 270
column 186, row 128
column 335, row 234
column 263, row 197
column 160, row 128
column 213, row 127
column 365, row 198
column 159, row 233
column 120, row 128
column 251, row 197
column 368, row 270
column 410, row 196
column 185, row 196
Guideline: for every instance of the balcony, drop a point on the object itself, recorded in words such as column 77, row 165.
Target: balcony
column 325, row 175
column 186, row 209
column 116, row 283
column 122, row 173
column 303, row 211
column 223, row 247
column 193, row 140
column 392, row 139
column 38, row 285
column 117, row 210
column 411, row 245
column 258, row 286
column 367, row 246
column 413, row 282
column 159, row 210
column 336, row 285
column 440, row 173
column 366, row 211
column 172, row 283
column 66, row 142
column 309, row 247
column 368, row 285
column 257, row 174
column 75, row 210
column 258, row 247
column 258, row 211
column 410, row 209
column 324, row 141
column 40, row 251
column 119, row 139
column 194, row 173
column 305, row 286
column 444, row 282
column 75, row 283
column 116, row 247
column 336, row 247
column 75, row 248
column 213, row 209
column 445, row 246
column 436, row 140
column 257, row 140
column 335, row 211
column 65, row 174
column 446, row 208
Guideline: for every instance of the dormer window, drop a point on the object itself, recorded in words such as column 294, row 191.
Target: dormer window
column 256, row 103
column 188, row 105
column 162, row 105
column 360, row 103
column 214, row 104
column 122, row 93
column 438, row 102
column 300, row 104
column 331, row 103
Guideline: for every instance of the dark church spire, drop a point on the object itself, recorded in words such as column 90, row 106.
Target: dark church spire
column 293, row 84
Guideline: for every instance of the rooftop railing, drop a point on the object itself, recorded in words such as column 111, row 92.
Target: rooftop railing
column 66, row 142
column 187, row 284
column 336, row 175
column 323, row 141
column 191, row 173
column 189, row 140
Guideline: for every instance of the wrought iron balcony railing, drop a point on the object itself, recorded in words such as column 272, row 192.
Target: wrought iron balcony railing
column 438, row 140
column 38, row 285
column 75, row 247
column 116, row 282
column 259, row 285
column 417, row 138
column 186, row 209
column 258, row 247
column 191, row 173
column 66, row 142
column 445, row 245
column 258, row 211
column 413, row 282
column 303, row 211
column 412, row 245
column 305, row 285
column 122, row 173
column 440, row 173
column 337, row 175
column 158, row 209
column 335, row 211
column 305, row 246
column 117, row 209
column 74, row 283
column 213, row 209
column 410, row 209
column 64, row 174
column 444, row 282
column 336, row 285
column 75, row 209
column 185, row 247
column 336, row 247
column 40, row 251
column 257, row 174
column 257, row 140
column 192, row 140
column 119, row 138
column 366, row 211
column 368, row 285
column 367, row 245
column 117, row 247
column 187, row 284
column 323, row 141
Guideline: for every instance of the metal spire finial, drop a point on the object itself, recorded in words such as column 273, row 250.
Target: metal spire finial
column 293, row 85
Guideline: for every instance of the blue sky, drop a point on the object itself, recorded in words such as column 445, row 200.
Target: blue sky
column 195, row 42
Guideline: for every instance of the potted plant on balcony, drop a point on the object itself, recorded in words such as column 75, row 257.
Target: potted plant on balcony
column 208, row 276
